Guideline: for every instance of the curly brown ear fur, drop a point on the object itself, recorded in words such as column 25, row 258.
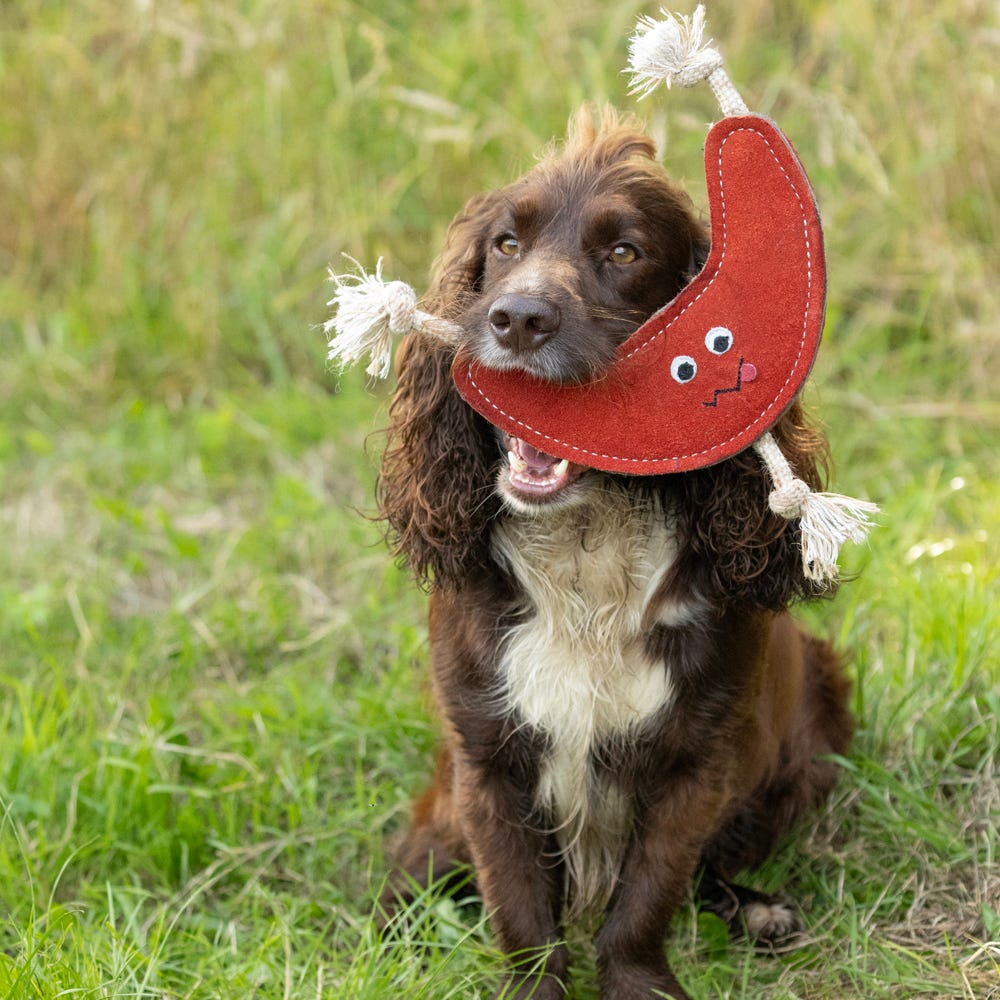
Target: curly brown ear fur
column 435, row 487
column 458, row 271
column 733, row 546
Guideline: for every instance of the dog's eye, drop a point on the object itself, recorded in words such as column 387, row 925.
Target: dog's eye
column 718, row 340
column 624, row 253
column 683, row 369
column 508, row 245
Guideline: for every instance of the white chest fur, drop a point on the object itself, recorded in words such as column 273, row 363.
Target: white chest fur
column 575, row 666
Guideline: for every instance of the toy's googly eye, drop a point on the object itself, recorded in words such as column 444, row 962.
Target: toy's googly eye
column 683, row 369
column 718, row 340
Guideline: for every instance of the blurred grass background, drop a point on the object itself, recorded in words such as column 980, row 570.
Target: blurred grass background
column 211, row 703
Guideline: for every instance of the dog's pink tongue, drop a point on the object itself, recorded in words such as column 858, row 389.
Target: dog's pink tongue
column 536, row 461
column 537, row 473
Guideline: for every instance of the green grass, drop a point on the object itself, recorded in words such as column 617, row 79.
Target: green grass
column 212, row 704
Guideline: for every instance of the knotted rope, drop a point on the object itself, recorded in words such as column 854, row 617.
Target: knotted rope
column 671, row 51
column 370, row 312
column 826, row 520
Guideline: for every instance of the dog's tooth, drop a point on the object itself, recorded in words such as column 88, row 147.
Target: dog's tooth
column 561, row 469
column 516, row 463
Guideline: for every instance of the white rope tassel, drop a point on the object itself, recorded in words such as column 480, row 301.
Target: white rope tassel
column 827, row 520
column 370, row 312
column 671, row 51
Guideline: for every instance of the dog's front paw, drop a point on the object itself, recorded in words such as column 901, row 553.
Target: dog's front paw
column 521, row 987
column 633, row 982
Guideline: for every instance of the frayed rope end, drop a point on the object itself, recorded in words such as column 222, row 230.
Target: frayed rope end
column 370, row 312
column 670, row 51
column 826, row 520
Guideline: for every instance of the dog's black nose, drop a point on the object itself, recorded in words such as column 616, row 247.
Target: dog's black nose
column 523, row 322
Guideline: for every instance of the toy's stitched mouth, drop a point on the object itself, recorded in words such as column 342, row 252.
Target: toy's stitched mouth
column 714, row 401
column 534, row 475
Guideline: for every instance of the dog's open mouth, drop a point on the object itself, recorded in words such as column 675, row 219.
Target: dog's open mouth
column 535, row 476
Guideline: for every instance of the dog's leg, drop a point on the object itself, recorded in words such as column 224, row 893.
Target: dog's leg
column 521, row 880
column 818, row 724
column 656, row 876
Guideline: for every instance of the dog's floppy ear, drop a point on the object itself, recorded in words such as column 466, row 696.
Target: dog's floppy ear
column 458, row 272
column 435, row 486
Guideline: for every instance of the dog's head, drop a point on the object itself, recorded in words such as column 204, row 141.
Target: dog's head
column 552, row 273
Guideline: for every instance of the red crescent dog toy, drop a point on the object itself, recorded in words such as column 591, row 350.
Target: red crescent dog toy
column 709, row 374
column 712, row 371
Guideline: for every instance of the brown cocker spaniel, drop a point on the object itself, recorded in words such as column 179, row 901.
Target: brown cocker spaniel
column 628, row 709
